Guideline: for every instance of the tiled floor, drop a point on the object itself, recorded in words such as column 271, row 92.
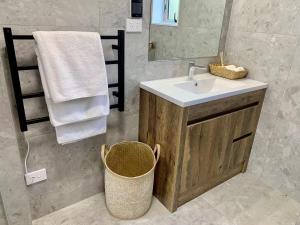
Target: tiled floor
column 243, row 200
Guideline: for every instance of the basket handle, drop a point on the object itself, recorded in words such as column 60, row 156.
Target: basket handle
column 156, row 152
column 104, row 151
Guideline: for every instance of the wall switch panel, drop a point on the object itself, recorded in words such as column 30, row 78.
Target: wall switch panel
column 35, row 176
column 134, row 25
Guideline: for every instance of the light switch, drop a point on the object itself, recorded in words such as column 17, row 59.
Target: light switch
column 134, row 25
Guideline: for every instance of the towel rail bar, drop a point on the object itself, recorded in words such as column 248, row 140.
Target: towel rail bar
column 14, row 70
column 28, row 68
column 113, row 85
column 30, row 37
column 110, row 62
column 115, row 47
column 33, row 95
column 38, row 120
column 46, row 118
column 42, row 94
column 35, row 67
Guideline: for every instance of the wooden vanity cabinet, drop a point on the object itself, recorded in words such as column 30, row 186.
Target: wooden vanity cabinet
column 201, row 146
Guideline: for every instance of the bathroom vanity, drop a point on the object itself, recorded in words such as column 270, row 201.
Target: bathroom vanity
column 205, row 127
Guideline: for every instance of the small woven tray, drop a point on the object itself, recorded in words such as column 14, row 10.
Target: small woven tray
column 221, row 71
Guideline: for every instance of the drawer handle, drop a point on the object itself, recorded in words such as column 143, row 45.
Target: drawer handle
column 242, row 137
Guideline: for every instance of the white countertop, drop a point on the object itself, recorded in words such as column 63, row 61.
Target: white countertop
column 169, row 89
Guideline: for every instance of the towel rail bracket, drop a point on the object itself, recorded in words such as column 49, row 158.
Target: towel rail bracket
column 20, row 97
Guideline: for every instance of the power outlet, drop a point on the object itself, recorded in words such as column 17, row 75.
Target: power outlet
column 35, row 176
column 134, row 25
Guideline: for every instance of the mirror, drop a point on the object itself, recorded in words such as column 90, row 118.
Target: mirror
column 185, row 29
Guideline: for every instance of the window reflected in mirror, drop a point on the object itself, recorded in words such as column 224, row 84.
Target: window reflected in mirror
column 165, row 12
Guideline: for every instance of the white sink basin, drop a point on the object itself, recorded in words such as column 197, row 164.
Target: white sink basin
column 208, row 85
column 204, row 88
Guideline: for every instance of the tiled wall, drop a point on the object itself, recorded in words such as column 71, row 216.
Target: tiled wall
column 12, row 188
column 264, row 36
column 75, row 170
column 2, row 213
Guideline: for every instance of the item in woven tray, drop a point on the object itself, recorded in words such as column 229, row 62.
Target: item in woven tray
column 235, row 68
column 223, row 71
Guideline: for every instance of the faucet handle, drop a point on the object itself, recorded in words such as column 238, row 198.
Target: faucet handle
column 191, row 64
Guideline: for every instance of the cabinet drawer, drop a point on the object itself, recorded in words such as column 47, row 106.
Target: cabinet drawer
column 224, row 106
column 240, row 150
column 244, row 122
column 238, row 123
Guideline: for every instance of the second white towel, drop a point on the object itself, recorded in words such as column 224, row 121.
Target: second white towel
column 77, row 131
column 72, row 111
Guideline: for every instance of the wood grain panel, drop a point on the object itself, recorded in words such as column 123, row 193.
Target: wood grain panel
column 245, row 121
column 208, row 148
column 201, row 146
column 228, row 104
column 194, row 193
column 205, row 147
column 239, row 152
column 164, row 123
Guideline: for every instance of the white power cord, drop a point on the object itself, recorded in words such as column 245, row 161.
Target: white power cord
column 27, row 154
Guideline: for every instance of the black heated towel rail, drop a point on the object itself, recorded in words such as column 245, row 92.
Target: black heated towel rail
column 14, row 70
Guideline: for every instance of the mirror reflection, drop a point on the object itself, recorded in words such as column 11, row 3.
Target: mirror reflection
column 185, row 29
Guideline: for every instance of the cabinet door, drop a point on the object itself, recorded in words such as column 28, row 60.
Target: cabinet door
column 205, row 150
column 215, row 150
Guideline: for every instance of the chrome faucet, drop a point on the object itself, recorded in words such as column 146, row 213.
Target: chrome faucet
column 193, row 67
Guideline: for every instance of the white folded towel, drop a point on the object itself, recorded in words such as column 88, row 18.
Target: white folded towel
column 75, row 110
column 70, row 133
column 74, row 64
column 74, row 116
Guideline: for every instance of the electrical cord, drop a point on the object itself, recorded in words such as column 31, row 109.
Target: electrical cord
column 27, row 154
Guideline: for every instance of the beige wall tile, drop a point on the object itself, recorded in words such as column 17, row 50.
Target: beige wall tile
column 270, row 50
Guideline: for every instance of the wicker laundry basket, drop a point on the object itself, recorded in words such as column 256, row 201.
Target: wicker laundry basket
column 129, row 177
